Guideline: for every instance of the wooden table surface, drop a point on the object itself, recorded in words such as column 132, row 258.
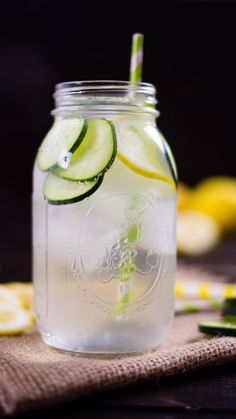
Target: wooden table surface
column 206, row 394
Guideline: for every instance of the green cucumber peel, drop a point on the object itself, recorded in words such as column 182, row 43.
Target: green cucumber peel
column 218, row 327
column 60, row 143
column 59, row 191
column 95, row 154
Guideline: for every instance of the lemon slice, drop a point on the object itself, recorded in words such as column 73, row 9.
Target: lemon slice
column 118, row 117
column 197, row 233
column 142, row 149
column 216, row 196
column 13, row 320
column 24, row 291
column 8, row 296
column 184, row 196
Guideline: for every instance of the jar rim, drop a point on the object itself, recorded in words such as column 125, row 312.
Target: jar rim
column 104, row 97
column 112, row 85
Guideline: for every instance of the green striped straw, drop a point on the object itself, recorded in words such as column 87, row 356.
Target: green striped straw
column 136, row 62
column 128, row 265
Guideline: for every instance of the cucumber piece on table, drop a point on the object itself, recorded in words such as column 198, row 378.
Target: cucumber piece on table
column 220, row 327
column 229, row 307
column 95, row 154
column 61, row 141
column 59, row 191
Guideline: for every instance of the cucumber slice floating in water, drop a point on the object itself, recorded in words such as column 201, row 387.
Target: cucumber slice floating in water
column 95, row 154
column 59, row 191
column 61, row 141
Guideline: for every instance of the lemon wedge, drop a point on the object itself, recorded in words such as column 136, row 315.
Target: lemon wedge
column 13, row 319
column 216, row 196
column 184, row 196
column 24, row 291
column 142, row 149
column 118, row 117
column 197, row 233
column 8, row 296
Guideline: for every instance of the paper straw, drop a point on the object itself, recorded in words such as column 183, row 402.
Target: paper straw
column 195, row 306
column 136, row 62
column 136, row 65
column 204, row 290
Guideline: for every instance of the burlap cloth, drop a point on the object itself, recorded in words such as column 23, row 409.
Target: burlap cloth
column 33, row 375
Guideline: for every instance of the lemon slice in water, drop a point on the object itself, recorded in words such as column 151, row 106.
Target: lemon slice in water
column 142, row 149
column 13, row 319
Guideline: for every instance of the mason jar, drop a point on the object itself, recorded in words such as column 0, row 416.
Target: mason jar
column 104, row 221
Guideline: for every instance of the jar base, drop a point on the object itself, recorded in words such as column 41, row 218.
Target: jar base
column 132, row 345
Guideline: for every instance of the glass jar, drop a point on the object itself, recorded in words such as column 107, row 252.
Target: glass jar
column 104, row 261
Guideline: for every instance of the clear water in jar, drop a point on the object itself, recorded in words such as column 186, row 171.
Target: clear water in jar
column 94, row 292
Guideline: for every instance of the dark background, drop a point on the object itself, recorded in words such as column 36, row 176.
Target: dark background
column 189, row 56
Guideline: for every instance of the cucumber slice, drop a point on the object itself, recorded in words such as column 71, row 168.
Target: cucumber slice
column 59, row 191
column 229, row 307
column 221, row 327
column 61, row 141
column 94, row 155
